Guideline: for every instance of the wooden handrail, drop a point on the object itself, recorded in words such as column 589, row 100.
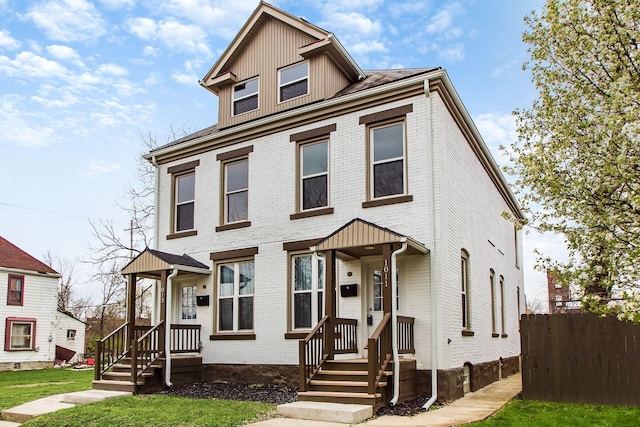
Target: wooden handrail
column 346, row 338
column 311, row 352
column 114, row 346
column 379, row 352
column 185, row 338
column 146, row 350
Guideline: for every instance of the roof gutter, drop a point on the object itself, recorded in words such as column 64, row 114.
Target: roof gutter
column 31, row 272
column 167, row 329
column 334, row 40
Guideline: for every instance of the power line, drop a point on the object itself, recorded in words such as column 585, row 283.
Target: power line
column 66, row 216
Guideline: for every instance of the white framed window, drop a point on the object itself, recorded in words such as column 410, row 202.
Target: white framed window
column 189, row 304
column 387, row 160
column 307, row 279
column 245, row 96
column 71, row 334
column 314, row 175
column 464, row 281
column 293, row 82
column 20, row 334
column 235, row 296
column 236, row 196
column 502, row 315
column 492, row 289
column 184, row 187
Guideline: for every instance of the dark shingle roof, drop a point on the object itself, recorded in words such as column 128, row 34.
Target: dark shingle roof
column 12, row 256
column 374, row 78
column 184, row 260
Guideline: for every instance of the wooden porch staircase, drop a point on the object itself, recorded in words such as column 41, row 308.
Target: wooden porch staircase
column 119, row 377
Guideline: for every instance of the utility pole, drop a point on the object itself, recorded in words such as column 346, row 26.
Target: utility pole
column 130, row 230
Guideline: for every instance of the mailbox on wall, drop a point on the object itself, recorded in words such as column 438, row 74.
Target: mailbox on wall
column 202, row 300
column 350, row 290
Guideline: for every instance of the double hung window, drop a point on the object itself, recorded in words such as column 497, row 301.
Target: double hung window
column 492, row 289
column 20, row 333
column 293, row 82
column 235, row 296
column 15, row 294
column 185, row 201
column 245, row 96
column 308, row 291
column 236, row 181
column 464, row 280
column 387, row 172
column 314, row 175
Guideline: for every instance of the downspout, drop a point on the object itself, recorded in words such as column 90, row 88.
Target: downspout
column 155, row 315
column 167, row 330
column 394, row 323
column 432, row 270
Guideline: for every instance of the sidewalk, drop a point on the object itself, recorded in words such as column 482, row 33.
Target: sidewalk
column 475, row 406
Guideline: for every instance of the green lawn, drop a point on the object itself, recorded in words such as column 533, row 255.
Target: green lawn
column 158, row 411
column 523, row 413
column 18, row 387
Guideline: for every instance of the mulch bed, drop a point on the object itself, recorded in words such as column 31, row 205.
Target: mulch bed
column 270, row 393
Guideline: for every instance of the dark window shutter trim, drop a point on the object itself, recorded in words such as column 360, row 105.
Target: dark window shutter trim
column 388, row 114
column 235, row 253
column 313, row 133
column 183, row 167
column 300, row 245
column 234, row 153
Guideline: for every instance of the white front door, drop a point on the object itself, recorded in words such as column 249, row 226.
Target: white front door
column 186, row 301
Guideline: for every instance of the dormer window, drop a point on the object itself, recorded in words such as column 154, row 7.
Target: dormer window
column 245, row 96
column 293, row 82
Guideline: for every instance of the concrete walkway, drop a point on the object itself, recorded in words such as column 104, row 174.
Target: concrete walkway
column 475, row 406
column 20, row 414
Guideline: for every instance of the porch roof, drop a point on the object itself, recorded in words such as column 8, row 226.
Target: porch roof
column 360, row 238
column 151, row 263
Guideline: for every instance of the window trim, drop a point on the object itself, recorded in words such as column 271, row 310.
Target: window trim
column 492, row 290
column 233, row 99
column 176, row 177
column 175, row 172
column 10, row 321
column 226, row 193
column 226, row 158
column 371, row 163
column 301, row 177
column 292, row 332
column 9, row 301
column 465, row 291
column 235, row 331
column 307, row 78
column 194, row 307
column 502, row 313
column 71, row 334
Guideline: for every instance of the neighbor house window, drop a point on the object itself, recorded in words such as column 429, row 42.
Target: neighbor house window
column 464, row 279
column 293, row 81
column 314, row 175
column 15, row 294
column 185, row 186
column 387, row 163
column 235, row 296
column 189, row 302
column 245, row 96
column 71, row 334
column 307, row 279
column 19, row 334
column 492, row 289
column 516, row 244
column 236, row 195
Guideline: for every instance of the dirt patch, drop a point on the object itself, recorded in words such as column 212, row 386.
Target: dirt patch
column 39, row 384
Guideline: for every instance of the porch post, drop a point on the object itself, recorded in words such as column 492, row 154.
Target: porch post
column 163, row 308
column 387, row 298
column 131, row 307
column 330, row 302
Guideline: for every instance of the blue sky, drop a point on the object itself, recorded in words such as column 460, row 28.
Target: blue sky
column 81, row 80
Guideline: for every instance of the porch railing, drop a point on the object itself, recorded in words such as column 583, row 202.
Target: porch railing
column 312, row 352
column 185, row 338
column 146, row 350
column 110, row 350
column 346, row 338
column 379, row 352
column 405, row 335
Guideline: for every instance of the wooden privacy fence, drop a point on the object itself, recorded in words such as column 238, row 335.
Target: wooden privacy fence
column 580, row 358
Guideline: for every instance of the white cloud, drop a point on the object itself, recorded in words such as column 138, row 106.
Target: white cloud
column 354, row 22
column 452, row 53
column 217, row 17
column 364, row 47
column 150, row 51
column 173, row 34
column 66, row 101
column 408, row 8
column 20, row 128
column 497, row 130
column 118, row 4
column 65, row 53
column 8, row 42
column 112, row 70
column 27, row 64
column 331, row 6
column 442, row 23
column 68, row 20
column 100, row 168
column 185, row 79
column 144, row 28
column 154, row 79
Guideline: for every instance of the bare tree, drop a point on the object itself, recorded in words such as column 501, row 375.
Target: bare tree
column 67, row 280
column 536, row 306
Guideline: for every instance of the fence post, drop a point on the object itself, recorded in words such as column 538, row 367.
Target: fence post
column 134, row 362
column 303, row 364
column 97, row 367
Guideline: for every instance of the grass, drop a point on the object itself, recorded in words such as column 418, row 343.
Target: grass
column 523, row 413
column 158, row 411
column 18, row 387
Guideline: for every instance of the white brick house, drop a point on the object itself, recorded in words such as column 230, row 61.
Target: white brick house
column 291, row 212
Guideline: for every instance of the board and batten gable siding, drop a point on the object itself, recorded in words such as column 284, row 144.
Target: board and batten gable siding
column 40, row 302
column 273, row 46
column 272, row 199
column 469, row 209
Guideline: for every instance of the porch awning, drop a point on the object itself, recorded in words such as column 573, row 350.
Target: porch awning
column 151, row 263
column 360, row 238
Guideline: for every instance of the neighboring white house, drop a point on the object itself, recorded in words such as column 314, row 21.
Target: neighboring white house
column 70, row 338
column 292, row 211
column 28, row 307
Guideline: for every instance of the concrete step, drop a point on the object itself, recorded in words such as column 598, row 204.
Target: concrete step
column 339, row 397
column 329, row 412
column 343, row 386
column 125, row 376
column 115, row 385
column 25, row 412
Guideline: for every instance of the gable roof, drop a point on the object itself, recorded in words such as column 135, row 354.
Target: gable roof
column 12, row 256
column 150, row 263
column 325, row 42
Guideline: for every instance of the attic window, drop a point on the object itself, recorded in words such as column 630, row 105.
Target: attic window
column 294, row 81
column 245, row 96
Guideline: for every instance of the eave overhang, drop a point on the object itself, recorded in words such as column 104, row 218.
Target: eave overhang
column 150, row 264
